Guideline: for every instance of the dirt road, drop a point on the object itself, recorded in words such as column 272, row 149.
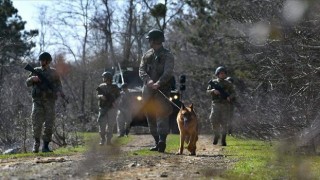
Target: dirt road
column 112, row 163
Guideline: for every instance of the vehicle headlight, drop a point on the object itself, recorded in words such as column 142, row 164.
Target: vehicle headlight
column 175, row 97
column 139, row 98
column 170, row 98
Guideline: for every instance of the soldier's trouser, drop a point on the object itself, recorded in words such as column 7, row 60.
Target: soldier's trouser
column 220, row 117
column 158, row 112
column 43, row 114
column 123, row 121
column 106, row 120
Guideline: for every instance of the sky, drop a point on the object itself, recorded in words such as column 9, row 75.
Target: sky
column 28, row 10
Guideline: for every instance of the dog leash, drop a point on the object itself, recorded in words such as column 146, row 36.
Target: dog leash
column 169, row 99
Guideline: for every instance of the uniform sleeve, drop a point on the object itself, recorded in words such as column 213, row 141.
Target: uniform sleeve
column 168, row 70
column 29, row 81
column 209, row 88
column 99, row 91
column 143, row 70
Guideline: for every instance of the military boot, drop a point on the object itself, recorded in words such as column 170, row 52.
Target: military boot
column 223, row 139
column 156, row 139
column 162, row 143
column 102, row 139
column 45, row 147
column 36, row 145
column 216, row 139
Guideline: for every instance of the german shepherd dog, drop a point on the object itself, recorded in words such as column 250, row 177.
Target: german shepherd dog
column 188, row 127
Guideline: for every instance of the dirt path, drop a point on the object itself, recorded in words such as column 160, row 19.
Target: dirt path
column 111, row 163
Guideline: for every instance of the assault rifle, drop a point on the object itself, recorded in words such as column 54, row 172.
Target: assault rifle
column 44, row 80
column 217, row 87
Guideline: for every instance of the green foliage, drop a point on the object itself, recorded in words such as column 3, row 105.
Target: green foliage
column 159, row 10
column 14, row 41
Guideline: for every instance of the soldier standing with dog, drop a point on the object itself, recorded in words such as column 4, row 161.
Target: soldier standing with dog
column 156, row 70
column 222, row 92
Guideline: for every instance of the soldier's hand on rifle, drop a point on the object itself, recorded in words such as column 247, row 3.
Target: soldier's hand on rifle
column 102, row 97
column 155, row 85
column 150, row 83
column 216, row 92
column 35, row 79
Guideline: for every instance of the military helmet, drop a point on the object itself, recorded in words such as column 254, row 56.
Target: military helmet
column 45, row 56
column 107, row 75
column 155, row 34
column 219, row 69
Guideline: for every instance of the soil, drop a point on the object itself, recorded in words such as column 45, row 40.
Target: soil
column 112, row 162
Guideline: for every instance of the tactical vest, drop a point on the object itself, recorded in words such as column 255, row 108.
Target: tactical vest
column 41, row 90
column 111, row 92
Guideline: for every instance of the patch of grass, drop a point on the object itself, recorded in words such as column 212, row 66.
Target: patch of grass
column 255, row 159
column 88, row 138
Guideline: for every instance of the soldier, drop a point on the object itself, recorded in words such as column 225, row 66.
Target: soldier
column 156, row 70
column 222, row 93
column 44, row 97
column 124, row 112
column 107, row 94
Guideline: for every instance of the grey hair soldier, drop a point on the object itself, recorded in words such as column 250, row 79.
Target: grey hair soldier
column 107, row 94
column 222, row 92
column 156, row 70
column 44, row 98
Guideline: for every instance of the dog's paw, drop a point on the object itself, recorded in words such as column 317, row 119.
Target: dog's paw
column 178, row 153
column 192, row 154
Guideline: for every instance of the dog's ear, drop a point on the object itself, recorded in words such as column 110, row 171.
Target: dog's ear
column 191, row 106
column 182, row 106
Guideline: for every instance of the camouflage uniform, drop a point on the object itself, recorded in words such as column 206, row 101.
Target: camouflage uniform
column 157, row 66
column 43, row 108
column 107, row 111
column 124, row 115
column 220, row 109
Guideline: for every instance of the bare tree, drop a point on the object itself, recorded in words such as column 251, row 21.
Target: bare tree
column 76, row 16
column 103, row 21
column 161, row 11
column 128, row 33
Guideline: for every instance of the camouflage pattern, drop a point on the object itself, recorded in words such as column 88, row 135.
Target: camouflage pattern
column 221, row 108
column 124, row 115
column 43, row 108
column 157, row 66
column 107, row 110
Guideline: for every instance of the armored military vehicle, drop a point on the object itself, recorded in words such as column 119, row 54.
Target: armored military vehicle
column 130, row 75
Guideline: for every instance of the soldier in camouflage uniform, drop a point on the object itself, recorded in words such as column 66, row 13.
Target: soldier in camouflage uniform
column 222, row 92
column 44, row 98
column 107, row 94
column 156, row 70
column 124, row 115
